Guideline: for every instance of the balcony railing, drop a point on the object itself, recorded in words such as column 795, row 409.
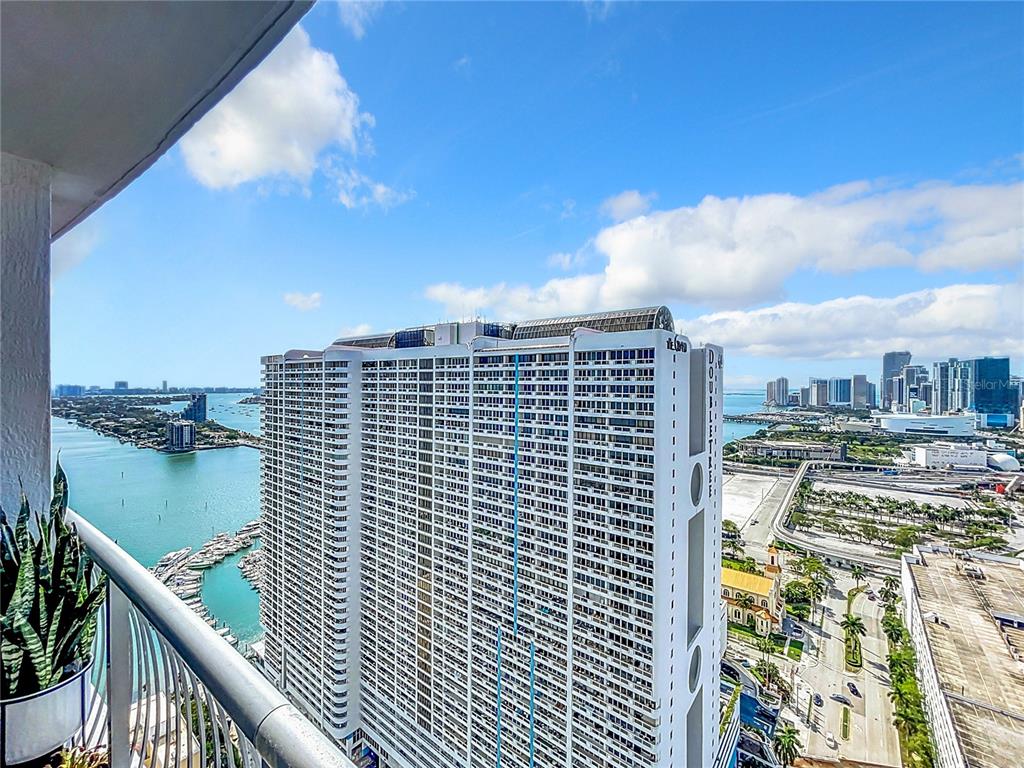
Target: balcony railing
column 168, row 691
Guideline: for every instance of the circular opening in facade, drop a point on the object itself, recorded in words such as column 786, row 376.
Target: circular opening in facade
column 694, row 669
column 697, row 483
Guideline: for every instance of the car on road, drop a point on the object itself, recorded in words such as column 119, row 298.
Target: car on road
column 797, row 630
column 841, row 699
column 753, row 522
column 818, row 701
column 853, row 689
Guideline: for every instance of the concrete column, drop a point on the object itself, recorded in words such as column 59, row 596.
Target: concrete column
column 24, row 331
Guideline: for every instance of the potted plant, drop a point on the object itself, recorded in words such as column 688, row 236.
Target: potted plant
column 49, row 600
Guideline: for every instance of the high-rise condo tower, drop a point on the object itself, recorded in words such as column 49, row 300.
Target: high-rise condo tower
column 498, row 545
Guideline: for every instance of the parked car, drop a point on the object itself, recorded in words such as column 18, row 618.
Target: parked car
column 797, row 630
column 841, row 699
column 853, row 689
column 818, row 701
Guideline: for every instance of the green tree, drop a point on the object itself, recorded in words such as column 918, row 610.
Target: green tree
column 765, row 645
column 815, row 591
column 747, row 603
column 857, row 571
column 903, row 696
column 905, row 720
column 854, row 628
column 893, row 628
column 786, row 744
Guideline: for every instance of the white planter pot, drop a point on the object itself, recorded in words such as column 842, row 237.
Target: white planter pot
column 37, row 725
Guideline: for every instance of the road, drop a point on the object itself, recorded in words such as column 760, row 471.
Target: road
column 872, row 736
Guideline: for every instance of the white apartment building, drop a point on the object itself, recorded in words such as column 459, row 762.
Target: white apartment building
column 496, row 545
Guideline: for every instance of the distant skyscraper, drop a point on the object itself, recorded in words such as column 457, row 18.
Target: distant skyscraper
column 942, row 386
column 163, row 388
column 805, row 396
column 990, row 385
column 872, row 395
column 181, row 435
column 908, row 385
column 818, row 392
column 69, row 390
column 120, row 385
column 961, row 377
column 840, row 391
column 196, row 409
column 777, row 392
column 859, row 390
column 892, row 366
column 489, row 544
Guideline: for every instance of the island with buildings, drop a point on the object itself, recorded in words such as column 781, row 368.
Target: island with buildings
column 138, row 421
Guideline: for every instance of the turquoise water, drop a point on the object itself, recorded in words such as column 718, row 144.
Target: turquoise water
column 737, row 404
column 152, row 503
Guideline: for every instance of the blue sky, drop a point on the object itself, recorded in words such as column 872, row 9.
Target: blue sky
column 808, row 185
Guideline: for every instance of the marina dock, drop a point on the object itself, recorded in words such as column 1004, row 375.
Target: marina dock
column 182, row 570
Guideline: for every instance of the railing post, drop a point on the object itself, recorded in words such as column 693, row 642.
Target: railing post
column 119, row 676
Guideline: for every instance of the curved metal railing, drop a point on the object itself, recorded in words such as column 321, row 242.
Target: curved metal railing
column 169, row 691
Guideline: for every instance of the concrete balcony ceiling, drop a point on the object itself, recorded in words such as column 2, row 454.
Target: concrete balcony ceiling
column 100, row 90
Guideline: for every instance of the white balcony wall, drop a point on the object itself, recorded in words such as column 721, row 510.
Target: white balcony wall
column 24, row 331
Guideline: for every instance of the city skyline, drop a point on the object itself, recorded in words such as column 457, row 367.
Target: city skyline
column 768, row 193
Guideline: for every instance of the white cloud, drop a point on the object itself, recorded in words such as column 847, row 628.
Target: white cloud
column 356, row 15
column 567, row 261
column 348, row 331
column 463, row 64
column 303, row 301
column 556, row 297
column 356, row 190
column 73, row 248
column 568, row 209
column 278, row 120
column 626, row 205
column 739, row 252
column 957, row 320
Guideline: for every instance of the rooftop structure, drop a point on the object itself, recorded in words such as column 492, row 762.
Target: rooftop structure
column 644, row 319
column 965, row 613
column 747, row 582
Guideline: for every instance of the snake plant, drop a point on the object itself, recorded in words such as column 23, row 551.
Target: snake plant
column 49, row 597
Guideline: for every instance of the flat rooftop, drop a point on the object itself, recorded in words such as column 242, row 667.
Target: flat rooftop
column 983, row 682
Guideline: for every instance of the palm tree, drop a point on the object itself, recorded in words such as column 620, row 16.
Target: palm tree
column 787, row 744
column 815, row 591
column 854, row 628
column 893, row 628
column 769, row 673
column 891, row 583
column 747, row 603
column 765, row 645
column 857, row 571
